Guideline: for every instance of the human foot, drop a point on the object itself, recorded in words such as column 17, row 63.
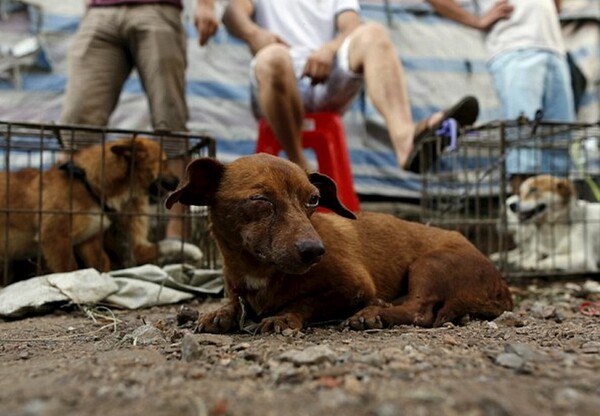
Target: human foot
column 465, row 113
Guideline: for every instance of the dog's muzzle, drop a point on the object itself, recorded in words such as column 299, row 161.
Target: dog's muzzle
column 162, row 185
column 525, row 215
column 310, row 251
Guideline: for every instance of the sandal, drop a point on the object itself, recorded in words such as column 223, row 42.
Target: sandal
column 465, row 113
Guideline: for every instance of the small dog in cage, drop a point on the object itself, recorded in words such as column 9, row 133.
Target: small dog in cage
column 553, row 229
column 522, row 236
column 287, row 266
column 65, row 210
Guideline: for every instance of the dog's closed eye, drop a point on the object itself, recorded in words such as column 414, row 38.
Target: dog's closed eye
column 261, row 199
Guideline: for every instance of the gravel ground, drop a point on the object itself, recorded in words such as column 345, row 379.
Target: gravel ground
column 541, row 359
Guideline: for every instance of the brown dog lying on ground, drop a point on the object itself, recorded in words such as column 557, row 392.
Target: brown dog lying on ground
column 96, row 193
column 290, row 266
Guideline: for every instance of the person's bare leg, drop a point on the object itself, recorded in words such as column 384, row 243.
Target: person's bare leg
column 280, row 100
column 373, row 54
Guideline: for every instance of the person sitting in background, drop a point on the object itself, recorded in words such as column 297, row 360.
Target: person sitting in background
column 527, row 61
column 315, row 56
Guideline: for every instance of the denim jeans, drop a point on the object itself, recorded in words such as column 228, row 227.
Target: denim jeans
column 528, row 80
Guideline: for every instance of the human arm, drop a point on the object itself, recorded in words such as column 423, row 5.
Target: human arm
column 319, row 63
column 205, row 21
column 502, row 9
column 238, row 21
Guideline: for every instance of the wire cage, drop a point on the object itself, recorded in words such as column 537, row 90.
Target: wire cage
column 548, row 227
column 79, row 196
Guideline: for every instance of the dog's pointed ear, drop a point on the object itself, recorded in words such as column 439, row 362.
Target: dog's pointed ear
column 202, row 179
column 329, row 197
column 566, row 190
column 126, row 148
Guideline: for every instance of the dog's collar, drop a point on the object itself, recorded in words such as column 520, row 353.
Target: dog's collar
column 78, row 173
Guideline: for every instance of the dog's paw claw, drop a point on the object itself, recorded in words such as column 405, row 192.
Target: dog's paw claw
column 217, row 322
column 368, row 318
column 281, row 324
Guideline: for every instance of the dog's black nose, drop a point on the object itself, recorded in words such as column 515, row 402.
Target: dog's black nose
column 310, row 250
column 162, row 185
column 514, row 207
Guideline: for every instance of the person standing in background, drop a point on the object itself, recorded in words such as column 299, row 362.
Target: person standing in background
column 116, row 36
column 527, row 61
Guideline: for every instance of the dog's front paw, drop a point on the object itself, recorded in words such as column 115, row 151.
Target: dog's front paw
column 175, row 251
column 218, row 322
column 280, row 323
column 367, row 318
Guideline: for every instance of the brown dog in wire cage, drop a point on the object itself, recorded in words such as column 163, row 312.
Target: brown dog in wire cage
column 64, row 211
column 287, row 266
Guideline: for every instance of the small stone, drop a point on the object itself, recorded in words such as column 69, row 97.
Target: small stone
column 241, row 346
column 145, row 335
column 543, row 311
column 24, row 355
column 190, row 348
column 510, row 360
column 509, row 319
column 591, row 286
column 590, row 347
column 492, row 325
column 522, row 350
column 312, row 355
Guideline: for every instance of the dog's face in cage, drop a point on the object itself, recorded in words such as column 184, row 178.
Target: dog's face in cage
column 140, row 159
column 59, row 215
column 543, row 199
column 552, row 229
column 148, row 165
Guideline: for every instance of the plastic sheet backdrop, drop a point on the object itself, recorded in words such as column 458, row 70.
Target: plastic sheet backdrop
column 443, row 60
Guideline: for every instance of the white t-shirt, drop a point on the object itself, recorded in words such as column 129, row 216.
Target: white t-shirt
column 304, row 24
column 533, row 24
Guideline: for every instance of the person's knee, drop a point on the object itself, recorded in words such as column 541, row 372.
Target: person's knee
column 368, row 38
column 372, row 34
column 274, row 64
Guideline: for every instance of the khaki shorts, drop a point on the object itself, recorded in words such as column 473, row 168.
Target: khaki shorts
column 335, row 94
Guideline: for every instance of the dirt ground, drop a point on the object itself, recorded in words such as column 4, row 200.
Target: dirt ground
column 541, row 359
